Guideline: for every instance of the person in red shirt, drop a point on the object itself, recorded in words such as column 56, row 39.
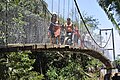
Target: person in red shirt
column 57, row 29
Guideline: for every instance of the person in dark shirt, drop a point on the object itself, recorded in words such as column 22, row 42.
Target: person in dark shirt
column 51, row 28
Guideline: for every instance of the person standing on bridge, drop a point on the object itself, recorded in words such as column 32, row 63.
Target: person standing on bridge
column 69, row 29
column 57, row 29
column 51, row 28
column 76, row 35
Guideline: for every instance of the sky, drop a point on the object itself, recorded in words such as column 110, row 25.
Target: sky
column 92, row 8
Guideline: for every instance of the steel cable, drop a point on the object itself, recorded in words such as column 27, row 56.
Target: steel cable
column 85, row 24
column 107, row 40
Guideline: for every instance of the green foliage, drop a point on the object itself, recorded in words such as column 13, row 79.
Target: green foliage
column 91, row 23
column 20, row 67
column 110, row 7
column 93, row 62
column 72, row 71
column 111, row 4
column 117, row 62
column 3, row 67
column 66, row 67
column 74, row 68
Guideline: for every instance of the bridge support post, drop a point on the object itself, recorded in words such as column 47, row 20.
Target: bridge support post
column 113, row 45
column 6, row 25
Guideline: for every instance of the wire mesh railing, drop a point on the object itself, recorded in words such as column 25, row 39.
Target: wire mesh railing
column 23, row 22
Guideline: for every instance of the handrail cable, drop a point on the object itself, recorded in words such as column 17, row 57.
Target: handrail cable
column 108, row 40
column 85, row 24
column 75, row 14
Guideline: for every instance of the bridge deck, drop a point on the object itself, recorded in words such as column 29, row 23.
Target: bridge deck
column 48, row 47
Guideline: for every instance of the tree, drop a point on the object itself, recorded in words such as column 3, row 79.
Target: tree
column 91, row 23
column 112, row 9
column 117, row 64
column 71, row 66
column 20, row 67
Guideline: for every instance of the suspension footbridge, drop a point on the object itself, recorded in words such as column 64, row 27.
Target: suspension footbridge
column 34, row 35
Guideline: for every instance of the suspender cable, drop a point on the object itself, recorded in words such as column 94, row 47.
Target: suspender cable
column 75, row 15
column 68, row 7
column 52, row 6
column 76, row 18
column 72, row 10
column 58, row 8
column 85, row 24
column 63, row 11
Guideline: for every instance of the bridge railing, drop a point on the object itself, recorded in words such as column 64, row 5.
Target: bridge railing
column 90, row 44
column 23, row 26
